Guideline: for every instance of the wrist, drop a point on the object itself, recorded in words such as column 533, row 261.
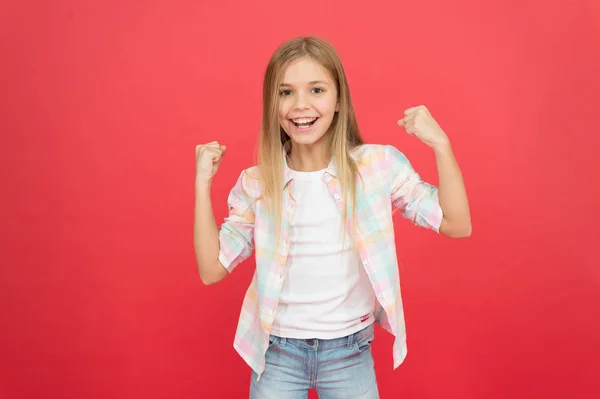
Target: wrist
column 443, row 147
column 203, row 184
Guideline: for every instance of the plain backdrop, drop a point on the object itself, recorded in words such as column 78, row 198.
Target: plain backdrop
column 103, row 102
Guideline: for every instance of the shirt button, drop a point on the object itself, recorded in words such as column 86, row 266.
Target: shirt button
column 364, row 262
column 327, row 177
column 336, row 196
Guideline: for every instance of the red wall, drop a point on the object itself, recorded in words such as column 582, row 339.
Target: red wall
column 103, row 102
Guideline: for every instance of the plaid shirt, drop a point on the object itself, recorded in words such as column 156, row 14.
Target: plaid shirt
column 389, row 183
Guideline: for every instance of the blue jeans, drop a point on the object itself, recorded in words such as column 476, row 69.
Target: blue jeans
column 340, row 368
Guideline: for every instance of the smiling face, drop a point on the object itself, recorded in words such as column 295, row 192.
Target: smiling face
column 308, row 101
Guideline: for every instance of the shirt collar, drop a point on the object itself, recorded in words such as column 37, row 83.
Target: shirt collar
column 288, row 173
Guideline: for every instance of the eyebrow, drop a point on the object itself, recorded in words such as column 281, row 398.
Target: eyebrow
column 312, row 82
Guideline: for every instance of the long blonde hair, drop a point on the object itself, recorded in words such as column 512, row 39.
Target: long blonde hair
column 343, row 132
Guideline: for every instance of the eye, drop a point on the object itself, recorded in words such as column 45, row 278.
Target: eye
column 318, row 90
column 285, row 92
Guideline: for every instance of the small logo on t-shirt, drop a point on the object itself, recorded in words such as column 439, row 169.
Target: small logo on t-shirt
column 364, row 318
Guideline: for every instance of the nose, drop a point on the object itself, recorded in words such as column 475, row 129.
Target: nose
column 301, row 101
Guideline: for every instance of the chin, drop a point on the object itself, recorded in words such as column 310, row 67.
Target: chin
column 306, row 139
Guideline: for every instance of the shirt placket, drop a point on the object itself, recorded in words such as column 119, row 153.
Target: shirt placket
column 283, row 247
column 289, row 207
column 335, row 191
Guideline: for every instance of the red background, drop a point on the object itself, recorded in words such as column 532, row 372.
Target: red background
column 103, row 102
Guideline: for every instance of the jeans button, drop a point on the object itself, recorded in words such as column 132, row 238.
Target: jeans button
column 311, row 342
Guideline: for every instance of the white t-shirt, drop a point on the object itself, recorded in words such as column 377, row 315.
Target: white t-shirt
column 326, row 292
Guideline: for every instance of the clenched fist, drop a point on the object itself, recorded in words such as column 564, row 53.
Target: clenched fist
column 418, row 122
column 208, row 159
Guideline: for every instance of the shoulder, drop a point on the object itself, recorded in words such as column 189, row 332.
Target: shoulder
column 248, row 183
column 377, row 155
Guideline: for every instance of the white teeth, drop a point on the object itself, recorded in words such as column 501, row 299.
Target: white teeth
column 304, row 120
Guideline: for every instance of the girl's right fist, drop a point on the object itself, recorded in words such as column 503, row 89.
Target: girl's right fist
column 208, row 159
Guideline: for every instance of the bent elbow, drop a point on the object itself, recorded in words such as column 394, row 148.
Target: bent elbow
column 456, row 231
column 210, row 280
column 463, row 232
column 206, row 280
column 467, row 232
column 213, row 275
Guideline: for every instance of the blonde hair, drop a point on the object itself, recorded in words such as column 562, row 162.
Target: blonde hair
column 343, row 133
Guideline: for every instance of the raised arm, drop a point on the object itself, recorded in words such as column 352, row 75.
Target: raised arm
column 206, row 232
column 452, row 194
column 220, row 250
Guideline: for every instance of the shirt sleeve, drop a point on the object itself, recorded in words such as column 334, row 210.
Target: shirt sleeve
column 417, row 200
column 236, row 235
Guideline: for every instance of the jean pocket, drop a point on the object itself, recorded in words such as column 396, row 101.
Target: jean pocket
column 272, row 341
column 364, row 343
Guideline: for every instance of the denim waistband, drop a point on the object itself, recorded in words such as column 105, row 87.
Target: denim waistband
column 318, row 343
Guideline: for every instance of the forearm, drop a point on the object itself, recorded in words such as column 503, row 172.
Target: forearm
column 452, row 194
column 206, row 237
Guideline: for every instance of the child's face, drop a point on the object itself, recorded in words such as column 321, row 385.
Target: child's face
column 308, row 101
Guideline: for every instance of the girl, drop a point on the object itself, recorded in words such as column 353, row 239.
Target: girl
column 317, row 211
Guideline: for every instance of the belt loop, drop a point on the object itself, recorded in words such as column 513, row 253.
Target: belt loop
column 350, row 340
column 282, row 341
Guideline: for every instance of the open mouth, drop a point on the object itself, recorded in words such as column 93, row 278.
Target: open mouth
column 304, row 122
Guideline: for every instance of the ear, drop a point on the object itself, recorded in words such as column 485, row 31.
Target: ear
column 337, row 107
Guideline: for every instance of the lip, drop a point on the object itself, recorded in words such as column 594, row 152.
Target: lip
column 303, row 130
column 303, row 117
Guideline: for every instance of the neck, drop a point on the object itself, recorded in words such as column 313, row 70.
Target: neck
column 304, row 158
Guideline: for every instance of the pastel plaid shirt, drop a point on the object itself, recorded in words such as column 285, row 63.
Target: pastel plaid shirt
column 389, row 183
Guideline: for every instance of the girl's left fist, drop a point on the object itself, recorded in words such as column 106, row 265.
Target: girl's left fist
column 418, row 122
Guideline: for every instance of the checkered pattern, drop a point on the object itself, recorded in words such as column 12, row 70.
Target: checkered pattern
column 387, row 183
